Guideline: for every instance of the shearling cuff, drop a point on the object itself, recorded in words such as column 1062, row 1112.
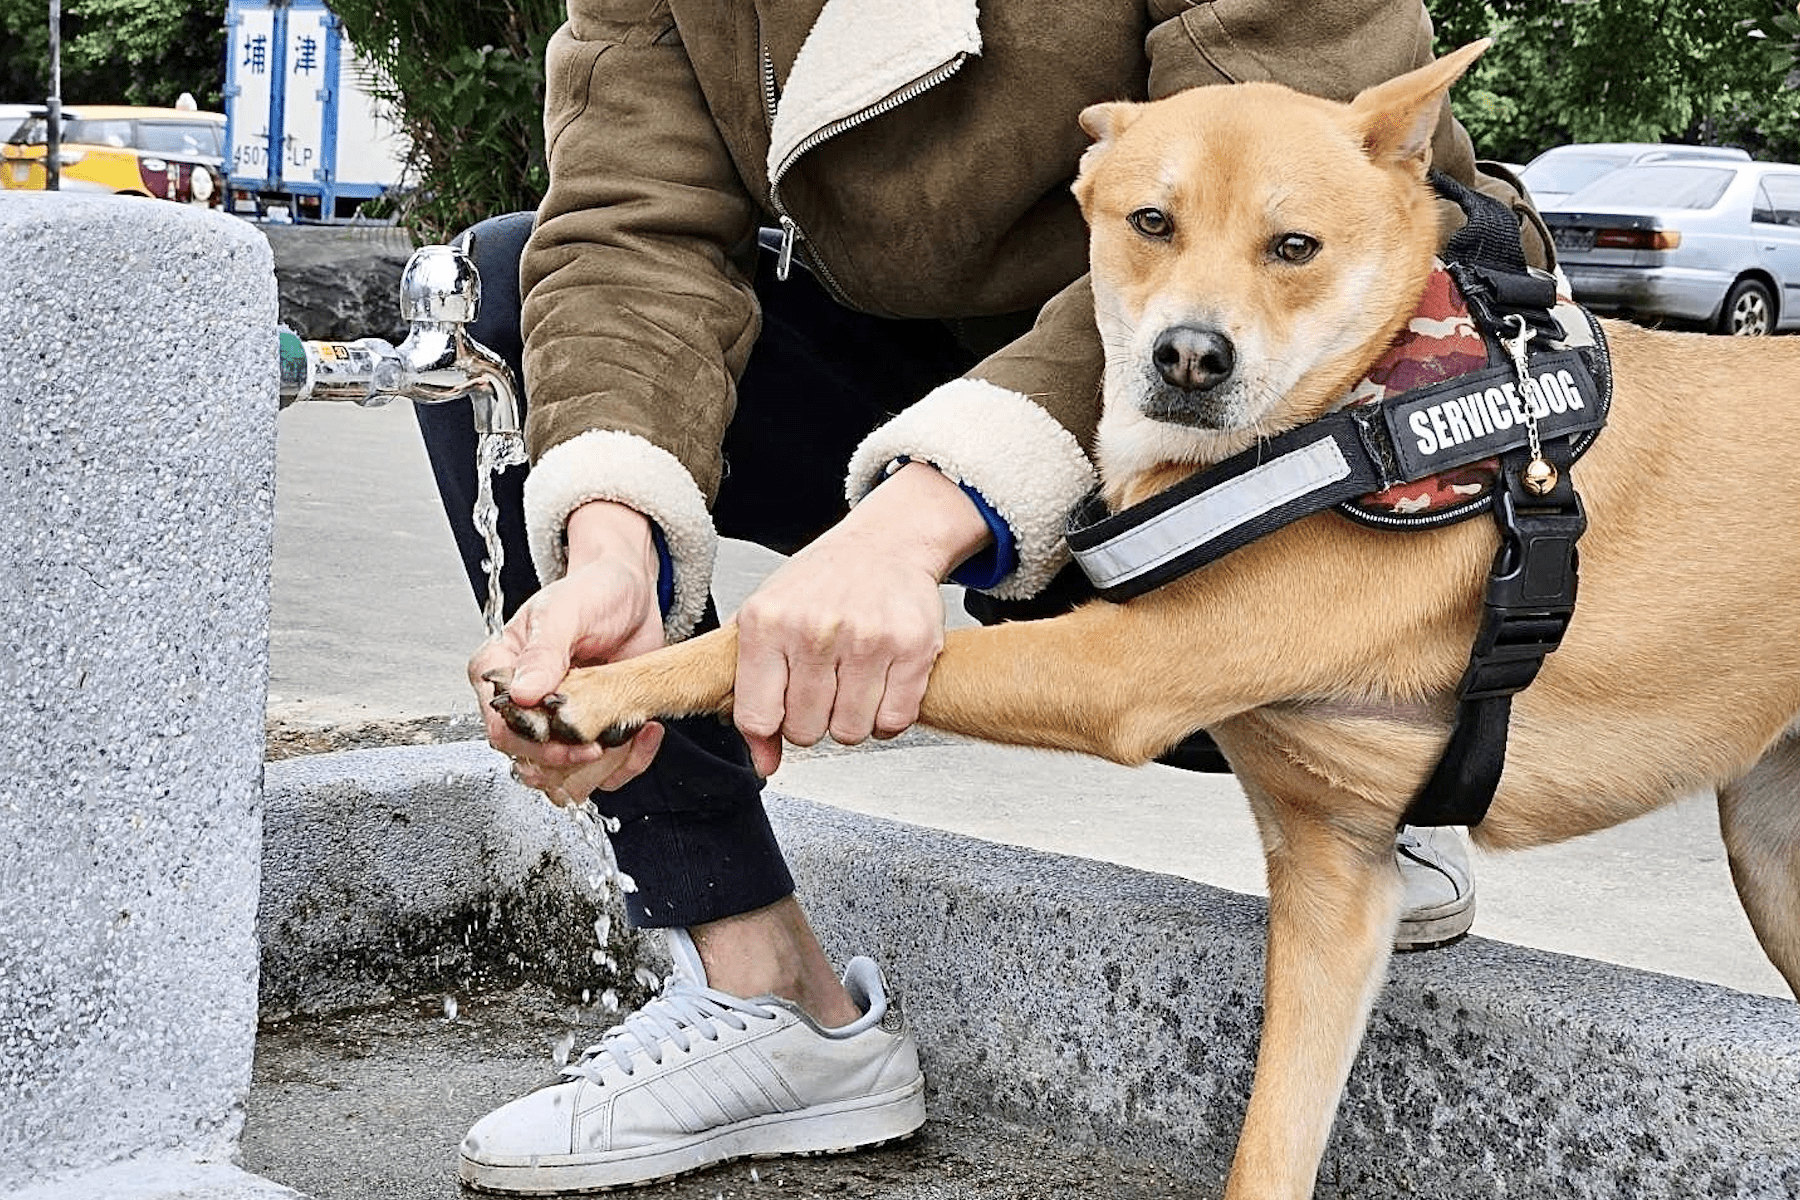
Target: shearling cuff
column 1027, row 466
column 607, row 464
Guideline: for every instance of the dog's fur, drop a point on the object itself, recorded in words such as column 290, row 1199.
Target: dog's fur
column 1323, row 658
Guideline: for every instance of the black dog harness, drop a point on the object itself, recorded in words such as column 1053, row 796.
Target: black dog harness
column 1499, row 436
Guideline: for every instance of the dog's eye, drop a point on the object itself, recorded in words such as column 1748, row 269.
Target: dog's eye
column 1152, row 223
column 1294, row 247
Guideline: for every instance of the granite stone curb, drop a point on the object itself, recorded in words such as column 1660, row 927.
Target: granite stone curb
column 400, row 871
column 1106, row 1004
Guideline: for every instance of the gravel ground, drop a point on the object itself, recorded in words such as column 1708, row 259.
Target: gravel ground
column 370, row 1105
column 286, row 738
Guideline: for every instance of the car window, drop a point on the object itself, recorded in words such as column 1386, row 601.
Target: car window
column 98, row 133
column 35, row 131
column 1659, row 185
column 181, row 138
column 1570, row 172
column 1778, row 200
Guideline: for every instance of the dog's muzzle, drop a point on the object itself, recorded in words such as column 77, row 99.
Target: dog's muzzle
column 1192, row 364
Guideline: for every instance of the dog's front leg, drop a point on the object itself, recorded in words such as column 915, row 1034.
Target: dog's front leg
column 1334, row 897
column 1118, row 681
column 607, row 704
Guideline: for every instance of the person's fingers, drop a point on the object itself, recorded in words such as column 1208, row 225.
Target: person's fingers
column 861, row 682
column 635, row 758
column 811, row 692
column 566, row 786
column 765, row 754
column 900, row 699
column 759, row 696
column 548, row 636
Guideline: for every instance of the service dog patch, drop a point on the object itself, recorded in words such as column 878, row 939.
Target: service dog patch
column 1462, row 409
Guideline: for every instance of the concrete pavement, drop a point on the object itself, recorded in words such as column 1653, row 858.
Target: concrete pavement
column 373, row 621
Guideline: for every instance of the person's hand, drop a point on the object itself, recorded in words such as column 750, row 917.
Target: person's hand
column 602, row 610
column 842, row 637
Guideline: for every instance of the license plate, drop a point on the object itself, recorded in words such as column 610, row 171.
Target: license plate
column 1572, row 240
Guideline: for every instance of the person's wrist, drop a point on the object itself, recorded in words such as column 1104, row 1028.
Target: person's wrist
column 605, row 529
column 926, row 516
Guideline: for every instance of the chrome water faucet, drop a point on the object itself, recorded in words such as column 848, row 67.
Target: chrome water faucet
column 440, row 292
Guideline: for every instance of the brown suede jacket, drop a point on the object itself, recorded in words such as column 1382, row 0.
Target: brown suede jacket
column 919, row 154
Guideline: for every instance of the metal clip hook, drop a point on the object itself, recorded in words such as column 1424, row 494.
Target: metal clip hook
column 1539, row 477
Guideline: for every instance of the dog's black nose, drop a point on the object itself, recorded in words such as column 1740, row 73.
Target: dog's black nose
column 1192, row 359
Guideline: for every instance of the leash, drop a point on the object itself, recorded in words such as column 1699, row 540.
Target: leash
column 1534, row 409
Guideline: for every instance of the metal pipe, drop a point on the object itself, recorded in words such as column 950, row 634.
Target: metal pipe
column 53, row 105
column 440, row 292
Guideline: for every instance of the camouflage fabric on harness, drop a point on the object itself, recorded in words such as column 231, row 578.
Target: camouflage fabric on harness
column 1440, row 343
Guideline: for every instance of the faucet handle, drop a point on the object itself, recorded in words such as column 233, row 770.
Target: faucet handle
column 439, row 284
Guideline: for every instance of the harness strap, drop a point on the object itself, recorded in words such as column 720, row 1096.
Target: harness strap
column 1529, row 601
column 1323, row 464
column 1487, row 260
column 1216, row 511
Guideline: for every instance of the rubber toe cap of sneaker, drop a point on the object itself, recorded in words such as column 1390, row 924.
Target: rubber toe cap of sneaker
column 541, row 1123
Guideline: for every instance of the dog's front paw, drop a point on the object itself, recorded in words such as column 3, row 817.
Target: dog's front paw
column 532, row 724
column 576, row 716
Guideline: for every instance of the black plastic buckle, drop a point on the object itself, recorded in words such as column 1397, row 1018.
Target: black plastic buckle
column 1530, row 595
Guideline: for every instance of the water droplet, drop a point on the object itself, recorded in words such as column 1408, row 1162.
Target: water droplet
column 627, row 884
column 602, row 928
column 609, row 1000
column 559, row 1054
column 450, row 1008
column 755, row 1175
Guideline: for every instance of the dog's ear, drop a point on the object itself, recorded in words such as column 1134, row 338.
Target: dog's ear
column 1397, row 118
column 1104, row 123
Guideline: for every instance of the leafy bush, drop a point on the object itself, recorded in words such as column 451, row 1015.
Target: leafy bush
column 468, row 82
column 1626, row 70
column 115, row 51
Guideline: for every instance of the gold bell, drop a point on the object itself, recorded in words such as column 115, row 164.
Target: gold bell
column 1539, row 477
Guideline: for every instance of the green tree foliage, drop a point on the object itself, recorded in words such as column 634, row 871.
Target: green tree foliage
column 468, row 80
column 115, row 51
column 1702, row 71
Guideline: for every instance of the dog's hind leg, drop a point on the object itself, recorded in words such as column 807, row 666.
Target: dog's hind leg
column 1759, row 814
column 1334, row 898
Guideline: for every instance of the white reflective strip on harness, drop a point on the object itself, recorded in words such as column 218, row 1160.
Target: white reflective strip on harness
column 1201, row 518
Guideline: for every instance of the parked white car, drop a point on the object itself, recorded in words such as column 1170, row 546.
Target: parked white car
column 1717, row 242
column 1561, row 171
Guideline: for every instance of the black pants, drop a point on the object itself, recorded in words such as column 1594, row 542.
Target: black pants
column 693, row 834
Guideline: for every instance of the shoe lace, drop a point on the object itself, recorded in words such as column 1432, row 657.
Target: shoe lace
column 682, row 1010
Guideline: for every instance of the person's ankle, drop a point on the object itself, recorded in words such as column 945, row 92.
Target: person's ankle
column 773, row 952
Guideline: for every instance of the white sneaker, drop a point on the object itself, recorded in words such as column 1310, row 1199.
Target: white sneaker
column 698, row 1077
column 1439, row 904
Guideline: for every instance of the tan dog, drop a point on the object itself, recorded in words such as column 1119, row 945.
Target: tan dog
column 1324, row 656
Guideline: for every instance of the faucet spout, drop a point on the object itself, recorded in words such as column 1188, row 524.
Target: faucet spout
column 438, row 361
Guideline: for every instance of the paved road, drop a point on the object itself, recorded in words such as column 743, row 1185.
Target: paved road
column 373, row 620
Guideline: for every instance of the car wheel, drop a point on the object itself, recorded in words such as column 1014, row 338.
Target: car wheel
column 1749, row 310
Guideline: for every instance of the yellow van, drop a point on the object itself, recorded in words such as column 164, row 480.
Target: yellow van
column 170, row 153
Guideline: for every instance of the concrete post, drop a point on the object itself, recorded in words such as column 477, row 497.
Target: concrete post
column 137, row 453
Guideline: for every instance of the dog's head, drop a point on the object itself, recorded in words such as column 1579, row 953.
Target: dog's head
column 1253, row 250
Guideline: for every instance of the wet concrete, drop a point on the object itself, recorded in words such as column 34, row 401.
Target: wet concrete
column 370, row 1105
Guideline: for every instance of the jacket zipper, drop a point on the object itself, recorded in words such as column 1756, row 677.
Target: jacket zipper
column 791, row 233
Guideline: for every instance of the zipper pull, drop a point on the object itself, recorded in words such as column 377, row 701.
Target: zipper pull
column 784, row 260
